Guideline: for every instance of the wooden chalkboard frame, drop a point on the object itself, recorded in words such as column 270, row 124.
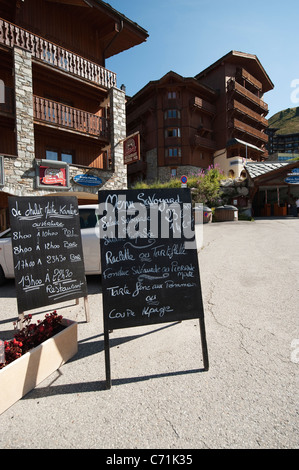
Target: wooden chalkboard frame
column 47, row 251
column 123, row 273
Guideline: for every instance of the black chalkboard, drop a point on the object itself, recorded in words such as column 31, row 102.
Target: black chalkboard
column 149, row 259
column 47, row 250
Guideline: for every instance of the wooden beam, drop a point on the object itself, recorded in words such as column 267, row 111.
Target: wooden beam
column 79, row 3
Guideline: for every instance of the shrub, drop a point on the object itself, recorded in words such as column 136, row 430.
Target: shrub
column 205, row 185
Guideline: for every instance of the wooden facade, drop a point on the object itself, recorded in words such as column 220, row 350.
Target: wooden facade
column 185, row 123
column 271, row 192
column 67, row 93
column 65, row 44
column 241, row 82
column 174, row 116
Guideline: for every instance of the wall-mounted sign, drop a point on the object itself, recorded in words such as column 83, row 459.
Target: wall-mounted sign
column 52, row 174
column 294, row 179
column 87, row 180
column 132, row 149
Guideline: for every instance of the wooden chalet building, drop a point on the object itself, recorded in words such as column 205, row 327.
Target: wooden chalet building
column 218, row 116
column 174, row 117
column 62, row 116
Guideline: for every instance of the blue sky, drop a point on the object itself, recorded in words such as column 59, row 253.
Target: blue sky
column 187, row 36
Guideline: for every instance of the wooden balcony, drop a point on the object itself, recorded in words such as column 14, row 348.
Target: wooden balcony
column 203, row 105
column 56, row 56
column 242, row 73
column 236, row 87
column 249, row 130
column 65, row 117
column 135, row 112
column 247, row 112
column 199, row 141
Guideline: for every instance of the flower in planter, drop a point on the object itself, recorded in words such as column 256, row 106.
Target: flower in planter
column 31, row 336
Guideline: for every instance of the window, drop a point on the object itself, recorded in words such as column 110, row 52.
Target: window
column 172, row 113
column 57, row 155
column 88, row 218
column 173, row 152
column 2, row 92
column 171, row 95
column 66, row 157
column 173, row 132
column 173, row 172
column 51, row 155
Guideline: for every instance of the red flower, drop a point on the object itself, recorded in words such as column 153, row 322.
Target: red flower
column 30, row 336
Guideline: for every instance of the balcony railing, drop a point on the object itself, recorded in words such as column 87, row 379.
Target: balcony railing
column 199, row 141
column 242, row 73
column 249, row 130
column 63, row 116
column 54, row 55
column 237, row 106
column 234, row 86
column 203, row 104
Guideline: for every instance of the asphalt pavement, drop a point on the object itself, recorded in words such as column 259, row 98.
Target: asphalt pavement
column 161, row 398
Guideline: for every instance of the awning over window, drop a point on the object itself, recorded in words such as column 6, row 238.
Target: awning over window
column 242, row 142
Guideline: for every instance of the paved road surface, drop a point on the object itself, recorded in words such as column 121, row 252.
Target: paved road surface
column 160, row 397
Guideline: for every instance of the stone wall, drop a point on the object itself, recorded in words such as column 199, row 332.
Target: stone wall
column 164, row 172
column 118, row 134
column 20, row 171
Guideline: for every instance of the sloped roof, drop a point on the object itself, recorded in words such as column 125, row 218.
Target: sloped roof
column 116, row 32
column 175, row 77
column 256, row 169
column 252, row 63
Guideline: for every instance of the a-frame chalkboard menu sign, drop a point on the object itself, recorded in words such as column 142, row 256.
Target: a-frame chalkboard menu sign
column 47, row 250
column 149, row 260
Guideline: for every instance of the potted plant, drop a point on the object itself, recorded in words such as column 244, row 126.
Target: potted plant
column 34, row 353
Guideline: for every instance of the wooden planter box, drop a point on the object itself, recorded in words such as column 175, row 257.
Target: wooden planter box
column 23, row 374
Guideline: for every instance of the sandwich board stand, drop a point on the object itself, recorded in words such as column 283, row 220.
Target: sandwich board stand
column 47, row 251
column 149, row 261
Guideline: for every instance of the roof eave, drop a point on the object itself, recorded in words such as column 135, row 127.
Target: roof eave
column 244, row 55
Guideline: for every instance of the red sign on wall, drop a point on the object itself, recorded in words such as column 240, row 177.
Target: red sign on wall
column 52, row 176
column 132, row 149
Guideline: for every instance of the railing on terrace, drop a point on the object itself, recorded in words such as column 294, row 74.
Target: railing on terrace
column 234, row 86
column 242, row 73
column 204, row 142
column 203, row 104
column 250, row 130
column 61, row 115
column 237, row 106
column 54, row 55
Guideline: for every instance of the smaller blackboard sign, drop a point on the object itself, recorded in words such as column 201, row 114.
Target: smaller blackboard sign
column 149, row 259
column 47, row 250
